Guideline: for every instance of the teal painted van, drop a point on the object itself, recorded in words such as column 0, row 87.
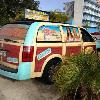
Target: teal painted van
column 96, row 36
column 30, row 49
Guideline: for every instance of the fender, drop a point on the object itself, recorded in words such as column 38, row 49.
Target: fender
column 48, row 59
column 39, row 74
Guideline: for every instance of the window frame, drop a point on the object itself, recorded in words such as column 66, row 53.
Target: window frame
column 48, row 41
column 78, row 33
column 87, row 33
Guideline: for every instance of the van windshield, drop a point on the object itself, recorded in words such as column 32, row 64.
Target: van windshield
column 14, row 31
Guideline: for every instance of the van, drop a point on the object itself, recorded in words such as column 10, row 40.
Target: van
column 33, row 49
column 96, row 36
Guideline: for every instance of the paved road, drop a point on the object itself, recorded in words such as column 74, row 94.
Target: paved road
column 26, row 90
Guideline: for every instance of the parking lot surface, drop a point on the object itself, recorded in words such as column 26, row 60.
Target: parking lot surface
column 26, row 90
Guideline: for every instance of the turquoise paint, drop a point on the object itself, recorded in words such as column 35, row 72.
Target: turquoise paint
column 97, row 44
column 24, row 70
column 9, row 74
column 13, row 60
column 30, row 34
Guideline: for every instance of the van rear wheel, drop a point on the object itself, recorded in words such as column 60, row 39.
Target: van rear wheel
column 49, row 71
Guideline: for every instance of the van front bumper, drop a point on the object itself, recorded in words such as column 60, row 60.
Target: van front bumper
column 23, row 72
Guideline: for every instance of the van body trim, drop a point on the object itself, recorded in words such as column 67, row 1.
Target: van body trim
column 30, row 36
column 24, row 72
column 2, row 67
column 9, row 74
column 49, row 41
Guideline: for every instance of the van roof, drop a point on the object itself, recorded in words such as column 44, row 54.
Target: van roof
column 29, row 22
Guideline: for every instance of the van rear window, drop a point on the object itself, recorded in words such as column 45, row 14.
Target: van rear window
column 14, row 31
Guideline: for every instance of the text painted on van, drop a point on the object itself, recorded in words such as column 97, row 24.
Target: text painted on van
column 12, row 60
column 44, row 53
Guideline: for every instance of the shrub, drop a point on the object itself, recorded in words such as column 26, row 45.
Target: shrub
column 79, row 73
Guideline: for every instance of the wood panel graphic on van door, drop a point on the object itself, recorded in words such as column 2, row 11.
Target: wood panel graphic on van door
column 72, row 38
column 89, row 44
column 49, row 43
column 0, row 51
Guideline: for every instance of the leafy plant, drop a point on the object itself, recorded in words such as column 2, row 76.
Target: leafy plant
column 58, row 17
column 14, row 9
column 79, row 75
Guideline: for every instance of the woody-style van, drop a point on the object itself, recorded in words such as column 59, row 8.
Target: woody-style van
column 33, row 49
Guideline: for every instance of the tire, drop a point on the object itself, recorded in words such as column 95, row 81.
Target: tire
column 98, row 52
column 49, row 71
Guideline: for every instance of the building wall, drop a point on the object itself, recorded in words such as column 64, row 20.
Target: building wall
column 91, row 13
column 87, row 13
column 69, row 8
column 78, row 12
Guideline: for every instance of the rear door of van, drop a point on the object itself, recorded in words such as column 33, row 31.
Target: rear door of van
column 11, row 44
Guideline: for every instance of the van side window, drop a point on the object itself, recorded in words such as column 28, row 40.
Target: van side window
column 49, row 33
column 86, row 36
column 71, row 34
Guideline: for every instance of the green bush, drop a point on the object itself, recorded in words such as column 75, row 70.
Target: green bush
column 75, row 71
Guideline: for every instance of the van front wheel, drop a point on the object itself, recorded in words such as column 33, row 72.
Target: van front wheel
column 49, row 71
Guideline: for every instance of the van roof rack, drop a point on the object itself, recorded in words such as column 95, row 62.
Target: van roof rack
column 30, row 21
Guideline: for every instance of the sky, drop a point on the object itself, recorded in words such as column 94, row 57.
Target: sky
column 51, row 5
